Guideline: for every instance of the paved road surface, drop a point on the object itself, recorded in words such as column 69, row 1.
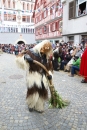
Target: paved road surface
column 14, row 114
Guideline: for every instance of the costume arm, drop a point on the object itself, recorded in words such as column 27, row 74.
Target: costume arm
column 28, row 59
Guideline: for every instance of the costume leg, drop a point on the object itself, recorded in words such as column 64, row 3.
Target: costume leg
column 40, row 105
column 32, row 99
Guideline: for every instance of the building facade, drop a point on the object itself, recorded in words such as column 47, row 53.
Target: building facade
column 48, row 20
column 15, row 19
column 74, row 20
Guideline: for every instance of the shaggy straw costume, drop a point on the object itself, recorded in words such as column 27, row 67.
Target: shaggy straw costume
column 36, row 78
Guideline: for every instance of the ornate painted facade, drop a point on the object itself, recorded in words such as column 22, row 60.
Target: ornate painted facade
column 9, row 16
column 48, row 20
column 15, row 19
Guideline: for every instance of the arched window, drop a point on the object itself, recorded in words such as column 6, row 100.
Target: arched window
column 31, row 6
column 28, row 6
column 23, row 6
column 5, row 4
column 8, row 4
column 14, row 5
column 3, row 1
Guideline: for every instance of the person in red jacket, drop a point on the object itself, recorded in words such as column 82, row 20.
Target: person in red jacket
column 83, row 65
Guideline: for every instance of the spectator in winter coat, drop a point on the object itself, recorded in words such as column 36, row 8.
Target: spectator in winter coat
column 75, row 66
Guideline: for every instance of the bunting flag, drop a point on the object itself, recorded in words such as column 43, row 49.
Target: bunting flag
column 38, row 10
column 32, row 11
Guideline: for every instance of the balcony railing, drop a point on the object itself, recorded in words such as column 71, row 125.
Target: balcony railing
column 49, row 35
column 49, row 18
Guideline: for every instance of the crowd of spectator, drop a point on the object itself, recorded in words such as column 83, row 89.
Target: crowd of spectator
column 15, row 49
column 66, row 56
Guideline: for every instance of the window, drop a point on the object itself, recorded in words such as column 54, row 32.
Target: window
column 32, row 20
column 48, row 29
column 8, row 4
column 37, row 5
column 45, row 29
column 53, row 27
column 36, row 20
column 14, row 5
column 71, row 38
column 28, row 30
column 5, row 17
column 44, row 14
column 51, row 10
column 28, row 6
column 81, row 1
column 31, row 6
column 14, row 17
column 16, row 30
column 23, row 6
column 57, row 25
column 36, row 32
column 28, row 18
column 21, row 30
column 9, row 18
column 71, row 10
column 48, row 11
column 40, row 31
column 60, row 24
column 24, row 18
column 33, row 30
column 56, row 7
column 84, row 37
column 40, row 17
column 81, row 7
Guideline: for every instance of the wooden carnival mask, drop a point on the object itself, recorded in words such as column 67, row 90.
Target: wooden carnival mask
column 46, row 48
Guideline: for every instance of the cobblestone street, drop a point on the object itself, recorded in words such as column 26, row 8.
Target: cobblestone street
column 14, row 113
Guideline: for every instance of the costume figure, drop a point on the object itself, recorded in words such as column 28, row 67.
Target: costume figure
column 83, row 65
column 36, row 78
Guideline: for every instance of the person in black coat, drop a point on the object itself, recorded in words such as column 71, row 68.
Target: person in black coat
column 55, row 61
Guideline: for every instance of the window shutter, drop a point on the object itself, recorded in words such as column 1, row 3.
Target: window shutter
column 43, row 30
column 71, row 10
column 48, row 29
column 51, row 27
column 57, row 25
column 42, row 15
column 51, row 11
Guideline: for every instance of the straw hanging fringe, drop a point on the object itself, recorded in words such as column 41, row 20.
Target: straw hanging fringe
column 55, row 100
